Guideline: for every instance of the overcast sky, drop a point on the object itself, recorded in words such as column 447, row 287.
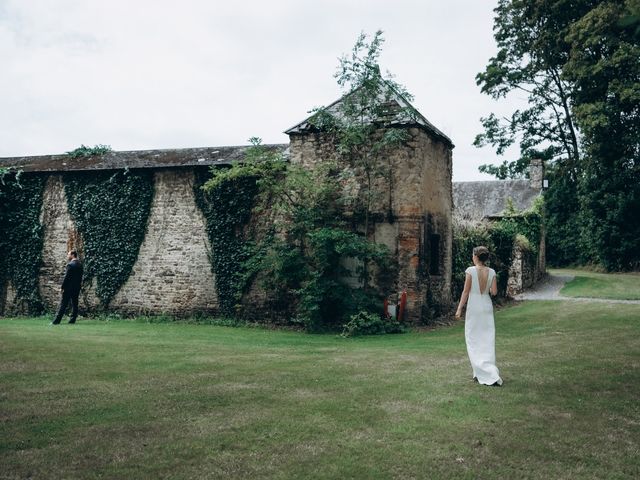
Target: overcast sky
column 146, row 74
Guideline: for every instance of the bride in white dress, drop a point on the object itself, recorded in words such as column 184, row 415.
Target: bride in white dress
column 479, row 328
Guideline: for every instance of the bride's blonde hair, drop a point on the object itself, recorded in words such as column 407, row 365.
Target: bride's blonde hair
column 482, row 253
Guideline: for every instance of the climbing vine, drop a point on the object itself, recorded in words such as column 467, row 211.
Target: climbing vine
column 226, row 206
column 526, row 225
column 84, row 151
column 521, row 228
column 21, row 235
column 110, row 211
column 300, row 253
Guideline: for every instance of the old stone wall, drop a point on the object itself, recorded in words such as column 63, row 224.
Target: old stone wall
column 412, row 214
column 525, row 270
column 437, row 205
column 172, row 274
column 58, row 228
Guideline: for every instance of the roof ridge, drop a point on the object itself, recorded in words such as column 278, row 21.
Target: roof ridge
column 421, row 119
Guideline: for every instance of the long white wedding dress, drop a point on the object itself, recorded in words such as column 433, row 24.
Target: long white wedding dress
column 480, row 330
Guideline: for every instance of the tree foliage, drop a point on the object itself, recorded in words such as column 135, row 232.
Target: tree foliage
column 531, row 54
column 366, row 123
column 301, row 258
column 578, row 63
column 604, row 66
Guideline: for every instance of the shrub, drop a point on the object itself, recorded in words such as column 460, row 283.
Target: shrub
column 466, row 236
column 366, row 323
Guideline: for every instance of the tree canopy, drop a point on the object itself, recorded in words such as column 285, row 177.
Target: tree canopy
column 578, row 62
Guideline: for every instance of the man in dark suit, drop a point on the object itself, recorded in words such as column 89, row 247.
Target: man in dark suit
column 70, row 288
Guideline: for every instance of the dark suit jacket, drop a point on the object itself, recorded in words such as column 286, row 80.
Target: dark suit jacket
column 72, row 277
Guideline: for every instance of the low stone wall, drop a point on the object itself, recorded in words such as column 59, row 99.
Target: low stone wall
column 525, row 270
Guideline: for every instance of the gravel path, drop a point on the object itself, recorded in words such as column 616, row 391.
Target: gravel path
column 549, row 289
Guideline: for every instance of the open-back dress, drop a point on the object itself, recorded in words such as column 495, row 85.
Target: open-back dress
column 480, row 330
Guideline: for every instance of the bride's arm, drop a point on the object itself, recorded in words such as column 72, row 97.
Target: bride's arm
column 494, row 287
column 465, row 295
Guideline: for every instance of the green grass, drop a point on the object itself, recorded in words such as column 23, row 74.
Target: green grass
column 615, row 286
column 146, row 401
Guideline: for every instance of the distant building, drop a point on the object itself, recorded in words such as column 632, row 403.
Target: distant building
column 487, row 201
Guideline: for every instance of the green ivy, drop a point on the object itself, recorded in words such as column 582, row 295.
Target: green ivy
column 465, row 238
column 21, row 235
column 84, row 151
column 523, row 227
column 227, row 207
column 110, row 210
column 300, row 258
column 527, row 223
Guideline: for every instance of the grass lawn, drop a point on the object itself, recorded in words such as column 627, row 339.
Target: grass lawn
column 148, row 401
column 616, row 286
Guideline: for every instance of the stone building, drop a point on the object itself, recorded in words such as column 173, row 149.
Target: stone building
column 173, row 273
column 413, row 211
column 487, row 201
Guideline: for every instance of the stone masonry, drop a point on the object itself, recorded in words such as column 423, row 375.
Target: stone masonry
column 412, row 210
column 412, row 215
column 58, row 228
column 173, row 273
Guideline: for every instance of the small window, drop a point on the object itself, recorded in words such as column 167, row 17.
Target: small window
column 434, row 254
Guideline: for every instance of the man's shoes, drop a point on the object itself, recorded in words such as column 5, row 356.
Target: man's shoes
column 72, row 323
column 51, row 324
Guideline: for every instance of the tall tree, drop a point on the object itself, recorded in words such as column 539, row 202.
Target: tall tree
column 362, row 122
column 578, row 62
column 532, row 50
column 604, row 67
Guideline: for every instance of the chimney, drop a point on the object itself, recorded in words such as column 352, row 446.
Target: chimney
column 536, row 173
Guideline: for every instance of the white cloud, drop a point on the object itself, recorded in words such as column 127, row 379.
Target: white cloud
column 161, row 74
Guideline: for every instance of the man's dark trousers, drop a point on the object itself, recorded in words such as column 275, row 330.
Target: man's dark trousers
column 68, row 296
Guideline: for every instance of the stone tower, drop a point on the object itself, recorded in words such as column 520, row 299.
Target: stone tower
column 413, row 213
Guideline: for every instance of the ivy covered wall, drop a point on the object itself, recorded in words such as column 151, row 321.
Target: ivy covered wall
column 227, row 209
column 110, row 211
column 21, row 240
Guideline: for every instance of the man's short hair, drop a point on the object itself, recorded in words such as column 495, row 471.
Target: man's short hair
column 73, row 253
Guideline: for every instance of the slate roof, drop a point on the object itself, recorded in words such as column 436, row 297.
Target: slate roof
column 170, row 158
column 479, row 200
column 416, row 119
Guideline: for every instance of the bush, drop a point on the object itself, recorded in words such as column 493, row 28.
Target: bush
column 466, row 236
column 496, row 237
column 521, row 228
column 366, row 323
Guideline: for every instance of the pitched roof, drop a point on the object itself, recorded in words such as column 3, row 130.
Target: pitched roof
column 415, row 119
column 478, row 200
column 180, row 157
